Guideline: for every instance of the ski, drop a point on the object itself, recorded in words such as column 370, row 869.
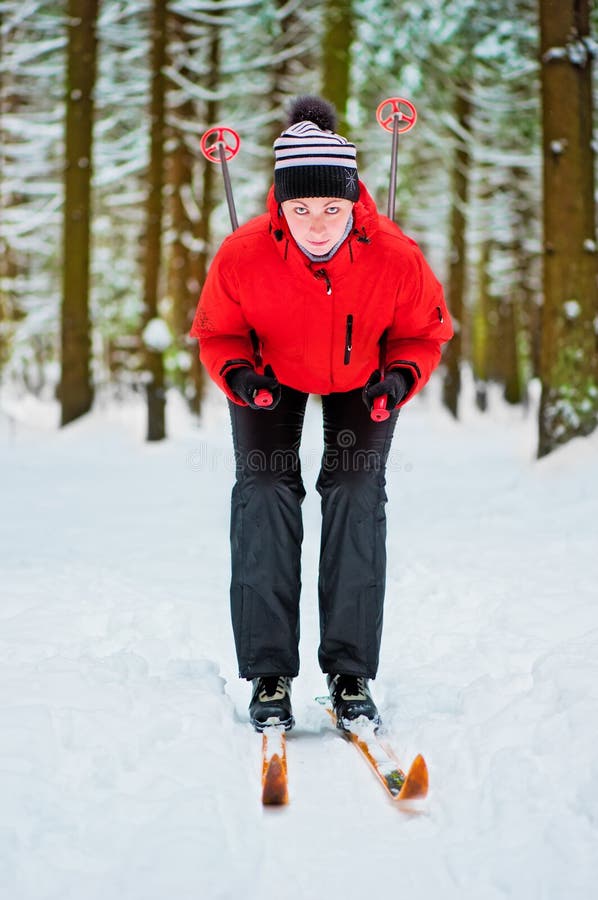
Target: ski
column 274, row 766
column 382, row 761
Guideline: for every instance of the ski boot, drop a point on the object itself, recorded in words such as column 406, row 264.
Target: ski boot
column 271, row 702
column 351, row 699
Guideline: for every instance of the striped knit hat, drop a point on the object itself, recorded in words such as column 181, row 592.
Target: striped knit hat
column 310, row 159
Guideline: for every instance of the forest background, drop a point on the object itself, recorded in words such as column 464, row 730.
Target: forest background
column 110, row 214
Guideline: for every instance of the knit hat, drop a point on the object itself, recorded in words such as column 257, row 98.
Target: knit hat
column 310, row 159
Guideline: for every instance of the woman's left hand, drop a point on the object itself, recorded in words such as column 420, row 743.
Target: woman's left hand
column 396, row 384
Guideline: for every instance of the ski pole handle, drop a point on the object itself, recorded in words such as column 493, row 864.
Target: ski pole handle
column 379, row 411
column 263, row 398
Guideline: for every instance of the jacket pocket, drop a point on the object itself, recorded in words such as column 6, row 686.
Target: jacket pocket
column 348, row 340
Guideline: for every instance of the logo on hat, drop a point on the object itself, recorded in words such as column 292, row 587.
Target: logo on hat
column 350, row 180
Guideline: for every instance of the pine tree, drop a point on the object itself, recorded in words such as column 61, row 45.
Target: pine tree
column 569, row 362
column 336, row 56
column 184, row 248
column 32, row 75
column 154, row 326
column 457, row 268
column 76, row 391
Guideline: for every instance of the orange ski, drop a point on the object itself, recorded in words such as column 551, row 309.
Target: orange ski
column 274, row 766
column 383, row 763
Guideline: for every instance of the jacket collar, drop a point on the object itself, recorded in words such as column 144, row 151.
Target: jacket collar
column 365, row 225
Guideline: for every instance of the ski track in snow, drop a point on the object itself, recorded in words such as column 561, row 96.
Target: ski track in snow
column 128, row 769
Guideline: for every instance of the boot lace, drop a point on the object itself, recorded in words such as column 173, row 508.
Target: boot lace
column 352, row 687
column 273, row 688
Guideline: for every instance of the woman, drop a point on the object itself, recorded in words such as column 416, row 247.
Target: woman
column 320, row 295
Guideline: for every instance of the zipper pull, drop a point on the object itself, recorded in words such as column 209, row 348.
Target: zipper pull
column 322, row 273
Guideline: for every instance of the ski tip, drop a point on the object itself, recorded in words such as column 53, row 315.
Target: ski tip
column 274, row 789
column 416, row 783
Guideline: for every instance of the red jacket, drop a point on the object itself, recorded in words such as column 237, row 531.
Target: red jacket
column 319, row 324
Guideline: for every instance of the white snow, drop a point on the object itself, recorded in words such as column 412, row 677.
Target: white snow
column 128, row 768
column 272, row 738
column 578, row 52
column 554, row 53
column 572, row 309
column 156, row 335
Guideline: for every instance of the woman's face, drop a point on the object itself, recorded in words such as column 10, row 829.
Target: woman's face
column 317, row 223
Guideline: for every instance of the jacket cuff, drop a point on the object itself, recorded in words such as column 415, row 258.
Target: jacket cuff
column 234, row 364
column 227, row 367
column 412, row 370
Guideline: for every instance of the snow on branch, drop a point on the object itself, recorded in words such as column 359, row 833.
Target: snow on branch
column 195, row 90
column 577, row 52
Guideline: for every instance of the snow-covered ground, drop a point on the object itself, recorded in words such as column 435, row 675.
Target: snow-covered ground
column 128, row 769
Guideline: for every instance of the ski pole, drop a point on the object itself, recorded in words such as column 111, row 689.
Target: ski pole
column 219, row 144
column 390, row 114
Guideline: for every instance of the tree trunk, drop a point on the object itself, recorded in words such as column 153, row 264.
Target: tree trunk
column 154, row 364
column 183, row 288
column 295, row 52
column 526, row 277
column 284, row 24
column 568, row 360
column 510, row 346
column 479, row 328
column 180, row 179
column 458, row 257
column 336, row 56
column 203, row 233
column 76, row 391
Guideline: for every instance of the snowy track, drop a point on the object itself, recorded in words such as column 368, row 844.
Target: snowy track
column 127, row 767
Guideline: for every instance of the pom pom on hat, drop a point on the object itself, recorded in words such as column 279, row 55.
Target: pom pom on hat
column 313, row 109
column 310, row 159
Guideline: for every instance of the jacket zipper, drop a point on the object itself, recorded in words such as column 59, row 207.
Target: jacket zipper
column 322, row 273
column 348, row 340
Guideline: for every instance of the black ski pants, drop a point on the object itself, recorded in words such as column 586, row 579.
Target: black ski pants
column 267, row 531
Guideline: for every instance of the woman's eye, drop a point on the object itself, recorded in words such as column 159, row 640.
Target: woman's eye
column 300, row 210
column 332, row 210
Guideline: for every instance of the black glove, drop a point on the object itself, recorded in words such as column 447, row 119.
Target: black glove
column 396, row 384
column 245, row 383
